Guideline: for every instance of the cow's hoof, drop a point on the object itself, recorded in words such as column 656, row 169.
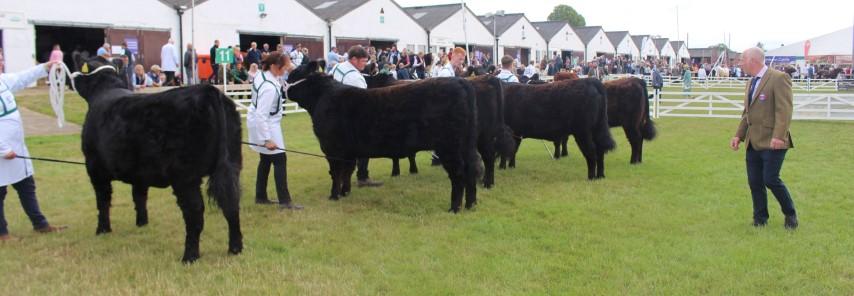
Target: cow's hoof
column 234, row 250
column 334, row 197
column 395, row 175
column 103, row 230
column 190, row 258
column 454, row 211
column 413, row 172
column 470, row 206
column 141, row 222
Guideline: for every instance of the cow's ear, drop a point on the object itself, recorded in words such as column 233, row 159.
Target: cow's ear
column 85, row 68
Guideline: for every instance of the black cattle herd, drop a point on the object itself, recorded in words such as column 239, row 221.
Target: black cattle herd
column 177, row 137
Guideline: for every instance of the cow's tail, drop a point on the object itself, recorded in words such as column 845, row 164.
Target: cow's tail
column 224, row 181
column 648, row 127
column 601, row 130
column 505, row 145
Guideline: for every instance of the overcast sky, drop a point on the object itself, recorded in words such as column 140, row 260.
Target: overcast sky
column 705, row 22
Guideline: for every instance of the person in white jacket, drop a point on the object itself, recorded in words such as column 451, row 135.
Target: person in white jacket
column 14, row 170
column 264, row 121
column 350, row 73
column 169, row 61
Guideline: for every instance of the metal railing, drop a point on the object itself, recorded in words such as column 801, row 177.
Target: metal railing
column 806, row 106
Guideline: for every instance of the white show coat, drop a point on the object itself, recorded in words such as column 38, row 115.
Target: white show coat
column 508, row 77
column 12, row 128
column 265, row 113
column 349, row 75
column 446, row 71
column 168, row 58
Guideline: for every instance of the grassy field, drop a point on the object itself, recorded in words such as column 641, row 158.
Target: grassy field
column 677, row 224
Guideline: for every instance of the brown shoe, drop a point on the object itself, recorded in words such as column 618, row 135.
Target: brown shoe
column 50, row 228
column 369, row 183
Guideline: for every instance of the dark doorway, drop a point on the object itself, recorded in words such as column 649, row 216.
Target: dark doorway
column 526, row 56
column 380, row 44
column 247, row 39
column 84, row 40
column 313, row 44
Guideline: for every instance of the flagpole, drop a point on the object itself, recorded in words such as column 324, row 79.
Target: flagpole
column 465, row 33
column 195, row 78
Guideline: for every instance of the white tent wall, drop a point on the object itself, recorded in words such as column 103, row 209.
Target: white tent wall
column 19, row 29
column 450, row 31
column 223, row 20
column 648, row 48
column 832, row 44
column 364, row 23
column 523, row 35
column 600, row 44
column 566, row 39
column 627, row 47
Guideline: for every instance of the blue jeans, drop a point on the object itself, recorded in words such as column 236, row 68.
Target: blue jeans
column 763, row 171
column 26, row 189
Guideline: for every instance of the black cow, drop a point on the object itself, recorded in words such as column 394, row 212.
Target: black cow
column 493, row 135
column 555, row 110
column 392, row 122
column 628, row 107
column 173, row 138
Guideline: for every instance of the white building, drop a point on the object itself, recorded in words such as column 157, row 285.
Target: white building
column 623, row 44
column 378, row 23
column 29, row 29
column 517, row 37
column 274, row 23
column 561, row 39
column 645, row 46
column 443, row 25
column 665, row 51
column 596, row 43
column 681, row 50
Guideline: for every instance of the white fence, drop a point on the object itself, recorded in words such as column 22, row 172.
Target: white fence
column 242, row 94
column 812, row 106
column 807, row 106
column 735, row 83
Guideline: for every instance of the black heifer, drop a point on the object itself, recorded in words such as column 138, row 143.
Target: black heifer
column 555, row 110
column 493, row 136
column 173, row 138
column 628, row 107
column 392, row 122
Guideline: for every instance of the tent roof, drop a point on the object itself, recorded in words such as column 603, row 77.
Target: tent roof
column 836, row 43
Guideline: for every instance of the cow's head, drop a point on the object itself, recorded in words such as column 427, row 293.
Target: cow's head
column 379, row 80
column 306, row 83
column 95, row 75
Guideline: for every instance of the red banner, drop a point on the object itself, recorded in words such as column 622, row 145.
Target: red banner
column 807, row 46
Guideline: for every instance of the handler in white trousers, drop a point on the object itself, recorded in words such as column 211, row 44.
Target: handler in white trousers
column 16, row 171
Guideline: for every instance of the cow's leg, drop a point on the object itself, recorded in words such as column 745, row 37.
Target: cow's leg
column 140, row 198
column 487, row 153
column 453, row 164
column 512, row 163
column 193, row 207
column 347, row 176
column 413, row 167
column 588, row 149
column 633, row 134
column 502, row 163
column 335, row 173
column 395, row 167
column 600, row 162
column 472, row 168
column 556, row 155
column 564, row 152
column 104, row 196
column 235, row 236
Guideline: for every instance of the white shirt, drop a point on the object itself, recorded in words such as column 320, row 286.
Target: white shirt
column 530, row 70
column 11, row 127
column 169, row 58
column 296, row 57
column 348, row 75
column 701, row 73
column 446, row 71
column 507, row 76
column 758, row 80
column 265, row 113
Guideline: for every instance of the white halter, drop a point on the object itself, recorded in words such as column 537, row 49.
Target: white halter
column 289, row 85
column 56, row 81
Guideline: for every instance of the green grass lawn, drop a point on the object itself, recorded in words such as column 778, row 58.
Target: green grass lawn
column 679, row 224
